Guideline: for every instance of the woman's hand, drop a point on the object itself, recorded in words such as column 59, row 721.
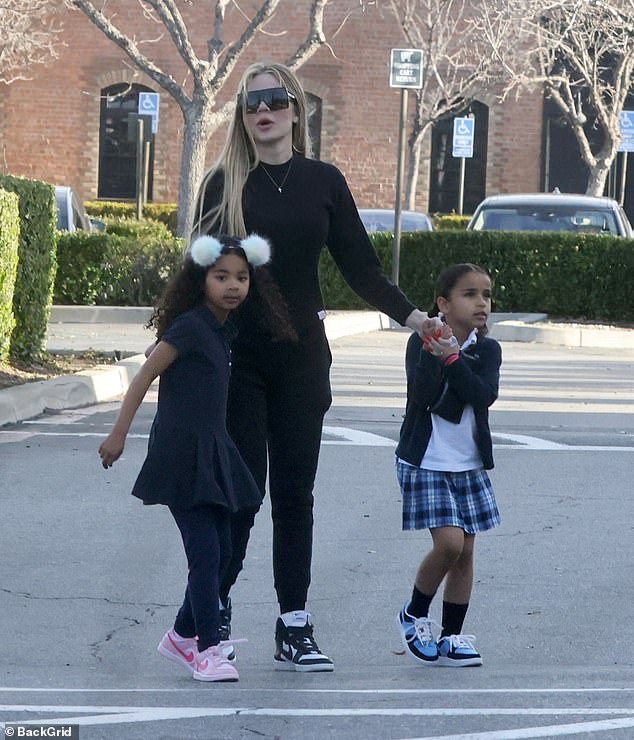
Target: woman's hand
column 416, row 321
column 111, row 449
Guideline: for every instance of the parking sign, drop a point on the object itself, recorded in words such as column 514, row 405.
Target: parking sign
column 149, row 106
column 463, row 131
column 626, row 120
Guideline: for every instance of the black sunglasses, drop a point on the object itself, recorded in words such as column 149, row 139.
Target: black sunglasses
column 275, row 98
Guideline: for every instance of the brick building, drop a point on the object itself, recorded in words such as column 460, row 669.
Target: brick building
column 68, row 124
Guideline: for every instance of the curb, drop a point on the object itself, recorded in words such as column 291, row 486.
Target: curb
column 102, row 383
column 109, row 382
column 565, row 335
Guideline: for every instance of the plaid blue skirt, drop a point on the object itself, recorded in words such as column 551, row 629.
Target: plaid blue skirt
column 433, row 498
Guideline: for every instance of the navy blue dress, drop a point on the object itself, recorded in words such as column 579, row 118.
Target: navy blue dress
column 191, row 460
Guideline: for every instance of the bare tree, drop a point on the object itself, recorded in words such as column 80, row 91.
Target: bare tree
column 197, row 99
column 581, row 53
column 457, row 67
column 28, row 36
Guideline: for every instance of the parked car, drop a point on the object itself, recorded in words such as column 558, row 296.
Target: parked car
column 551, row 212
column 382, row 219
column 71, row 215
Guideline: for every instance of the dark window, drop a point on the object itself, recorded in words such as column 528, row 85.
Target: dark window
column 445, row 168
column 117, row 154
column 314, row 123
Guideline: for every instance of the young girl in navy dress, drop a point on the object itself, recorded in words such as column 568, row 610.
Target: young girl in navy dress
column 192, row 466
column 443, row 454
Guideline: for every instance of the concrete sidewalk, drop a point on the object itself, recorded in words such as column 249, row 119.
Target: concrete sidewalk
column 121, row 331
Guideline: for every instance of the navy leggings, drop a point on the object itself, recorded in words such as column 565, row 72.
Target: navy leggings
column 278, row 395
column 206, row 533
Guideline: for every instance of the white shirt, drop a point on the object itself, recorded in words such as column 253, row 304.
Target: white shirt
column 452, row 447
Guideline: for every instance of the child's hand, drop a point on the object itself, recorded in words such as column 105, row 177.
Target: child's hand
column 443, row 347
column 434, row 329
column 430, row 326
column 111, row 449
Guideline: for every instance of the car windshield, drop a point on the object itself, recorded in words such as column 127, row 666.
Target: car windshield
column 548, row 218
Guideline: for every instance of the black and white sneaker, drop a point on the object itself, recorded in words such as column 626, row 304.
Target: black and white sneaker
column 296, row 649
column 224, row 631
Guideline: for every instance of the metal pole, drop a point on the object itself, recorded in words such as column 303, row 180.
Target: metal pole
column 547, row 158
column 623, row 179
column 146, row 170
column 139, row 168
column 400, row 162
column 461, row 186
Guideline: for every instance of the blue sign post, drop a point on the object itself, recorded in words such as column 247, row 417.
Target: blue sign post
column 149, row 106
column 626, row 121
column 463, row 133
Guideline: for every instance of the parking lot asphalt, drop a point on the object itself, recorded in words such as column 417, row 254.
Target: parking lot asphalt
column 121, row 331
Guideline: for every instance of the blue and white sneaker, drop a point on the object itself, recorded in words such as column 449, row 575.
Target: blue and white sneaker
column 417, row 636
column 458, row 650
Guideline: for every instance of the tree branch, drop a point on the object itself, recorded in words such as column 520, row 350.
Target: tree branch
column 166, row 81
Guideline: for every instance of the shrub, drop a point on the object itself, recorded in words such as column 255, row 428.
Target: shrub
column 36, row 265
column 9, row 244
column 449, row 221
column 580, row 275
column 164, row 212
column 106, row 269
column 144, row 229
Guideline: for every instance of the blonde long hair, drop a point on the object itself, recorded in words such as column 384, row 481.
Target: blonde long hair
column 239, row 155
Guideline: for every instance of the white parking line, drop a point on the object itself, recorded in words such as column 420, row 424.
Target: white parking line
column 101, row 715
column 357, row 438
column 526, row 733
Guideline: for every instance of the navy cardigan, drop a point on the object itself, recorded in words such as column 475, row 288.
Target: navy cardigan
column 473, row 379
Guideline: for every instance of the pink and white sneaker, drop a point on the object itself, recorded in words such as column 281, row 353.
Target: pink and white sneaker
column 213, row 665
column 181, row 650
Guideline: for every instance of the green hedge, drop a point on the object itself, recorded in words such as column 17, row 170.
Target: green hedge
column 449, row 221
column 166, row 213
column 582, row 276
column 105, row 269
column 9, row 244
column 36, row 265
column 145, row 228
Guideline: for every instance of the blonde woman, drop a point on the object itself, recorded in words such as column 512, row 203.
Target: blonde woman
column 264, row 182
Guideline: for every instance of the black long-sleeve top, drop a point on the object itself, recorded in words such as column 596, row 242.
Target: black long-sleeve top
column 315, row 209
column 433, row 388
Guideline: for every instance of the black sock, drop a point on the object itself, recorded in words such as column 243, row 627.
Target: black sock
column 453, row 616
column 419, row 605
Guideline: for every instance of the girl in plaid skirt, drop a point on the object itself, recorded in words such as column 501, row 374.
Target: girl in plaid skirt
column 443, row 454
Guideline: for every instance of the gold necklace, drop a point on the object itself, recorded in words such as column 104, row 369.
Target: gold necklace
column 278, row 185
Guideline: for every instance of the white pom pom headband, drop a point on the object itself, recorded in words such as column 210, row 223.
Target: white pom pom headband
column 206, row 250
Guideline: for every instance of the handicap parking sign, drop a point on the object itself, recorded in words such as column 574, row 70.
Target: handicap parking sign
column 626, row 121
column 149, row 106
column 463, row 131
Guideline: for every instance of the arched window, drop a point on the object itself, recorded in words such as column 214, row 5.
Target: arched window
column 314, row 123
column 117, row 150
column 445, row 168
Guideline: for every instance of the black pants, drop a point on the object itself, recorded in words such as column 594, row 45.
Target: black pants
column 278, row 395
column 206, row 533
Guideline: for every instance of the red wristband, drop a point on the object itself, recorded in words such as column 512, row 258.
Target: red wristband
column 451, row 359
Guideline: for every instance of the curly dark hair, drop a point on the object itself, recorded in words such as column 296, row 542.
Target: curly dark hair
column 186, row 290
